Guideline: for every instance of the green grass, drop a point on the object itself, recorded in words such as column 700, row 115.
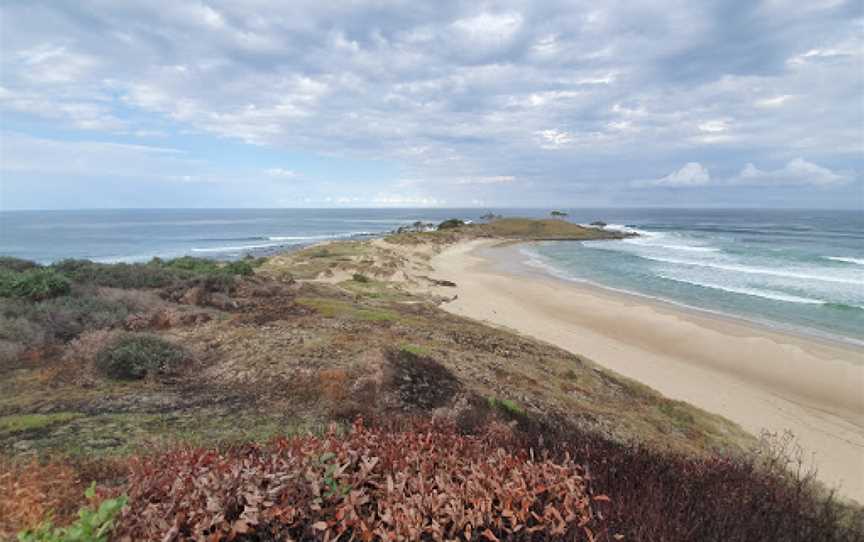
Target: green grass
column 21, row 423
column 415, row 349
column 309, row 263
column 507, row 406
column 375, row 289
column 332, row 308
column 526, row 228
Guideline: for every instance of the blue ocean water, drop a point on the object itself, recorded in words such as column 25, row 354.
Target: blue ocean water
column 797, row 269
column 134, row 235
column 803, row 269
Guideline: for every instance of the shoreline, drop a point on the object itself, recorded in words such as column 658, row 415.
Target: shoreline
column 811, row 386
column 543, row 272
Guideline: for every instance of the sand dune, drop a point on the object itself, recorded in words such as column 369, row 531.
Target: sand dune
column 760, row 378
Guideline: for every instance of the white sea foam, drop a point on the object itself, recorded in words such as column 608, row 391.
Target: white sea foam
column 318, row 237
column 858, row 261
column 759, row 270
column 649, row 243
column 757, row 292
column 237, row 247
column 282, row 240
column 626, row 229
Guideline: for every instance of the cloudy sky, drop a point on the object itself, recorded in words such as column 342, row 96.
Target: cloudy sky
column 268, row 103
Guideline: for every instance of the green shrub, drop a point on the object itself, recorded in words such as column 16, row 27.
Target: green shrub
column 240, row 267
column 360, row 277
column 134, row 356
column 451, row 223
column 117, row 275
column 36, row 284
column 9, row 263
column 91, row 525
column 8, row 280
column 68, row 316
column 190, row 263
column 21, row 330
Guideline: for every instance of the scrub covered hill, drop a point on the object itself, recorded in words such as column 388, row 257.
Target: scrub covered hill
column 136, row 375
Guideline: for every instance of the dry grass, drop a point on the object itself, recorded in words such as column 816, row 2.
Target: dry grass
column 32, row 491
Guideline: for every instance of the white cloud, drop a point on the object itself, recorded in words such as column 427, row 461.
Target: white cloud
column 774, row 101
column 27, row 154
column 489, row 29
column 281, row 173
column 714, row 126
column 494, row 179
column 401, row 200
column 690, row 175
column 795, row 172
column 53, row 64
column 460, row 90
column 553, row 139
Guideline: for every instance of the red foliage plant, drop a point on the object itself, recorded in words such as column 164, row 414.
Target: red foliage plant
column 427, row 482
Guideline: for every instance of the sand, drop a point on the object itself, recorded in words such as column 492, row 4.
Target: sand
column 758, row 377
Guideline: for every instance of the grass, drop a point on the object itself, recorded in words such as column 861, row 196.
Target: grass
column 417, row 350
column 22, row 423
column 507, row 406
column 310, row 263
column 333, row 308
column 375, row 289
column 507, row 228
column 524, row 228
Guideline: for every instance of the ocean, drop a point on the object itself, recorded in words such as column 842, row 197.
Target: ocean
column 799, row 270
column 802, row 270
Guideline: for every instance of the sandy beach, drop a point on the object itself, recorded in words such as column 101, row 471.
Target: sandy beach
column 760, row 378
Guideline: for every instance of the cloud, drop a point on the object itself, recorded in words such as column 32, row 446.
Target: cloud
column 494, row 179
column 692, row 174
column 774, row 101
column 280, row 173
column 796, row 172
column 554, row 139
column 21, row 153
column 563, row 93
column 402, row 200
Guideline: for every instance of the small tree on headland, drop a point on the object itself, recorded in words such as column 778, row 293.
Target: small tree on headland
column 558, row 214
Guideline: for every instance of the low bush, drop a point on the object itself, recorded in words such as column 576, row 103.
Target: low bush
column 450, row 224
column 240, row 267
column 83, row 350
column 10, row 351
column 8, row 263
column 134, row 356
column 92, row 525
column 32, row 491
column 135, row 301
column 67, row 317
column 117, row 275
column 660, row 496
column 423, row 482
column 35, row 284
column 360, row 277
column 21, row 330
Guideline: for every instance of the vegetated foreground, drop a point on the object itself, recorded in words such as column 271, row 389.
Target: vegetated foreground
column 223, row 403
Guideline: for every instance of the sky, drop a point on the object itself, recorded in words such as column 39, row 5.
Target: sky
column 374, row 103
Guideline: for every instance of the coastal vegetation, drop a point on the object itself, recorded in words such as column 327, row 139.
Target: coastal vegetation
column 324, row 393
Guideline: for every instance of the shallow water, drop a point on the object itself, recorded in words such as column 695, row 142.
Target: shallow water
column 800, row 269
